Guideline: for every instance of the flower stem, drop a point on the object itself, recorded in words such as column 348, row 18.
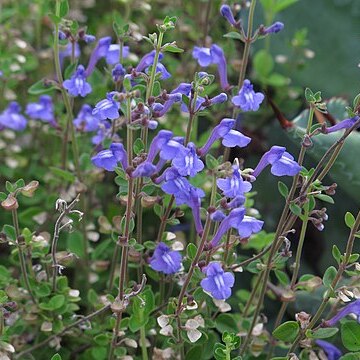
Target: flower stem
column 21, row 255
column 144, row 352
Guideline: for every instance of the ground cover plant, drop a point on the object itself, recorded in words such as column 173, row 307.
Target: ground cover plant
column 140, row 145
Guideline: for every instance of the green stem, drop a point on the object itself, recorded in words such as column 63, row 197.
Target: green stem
column 21, row 256
column 341, row 269
column 192, row 116
column 253, row 294
column 144, row 352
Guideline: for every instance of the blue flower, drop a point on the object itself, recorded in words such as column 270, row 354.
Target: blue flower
column 228, row 15
column 118, row 72
column 248, row 99
column 102, row 133
column 160, row 68
column 77, row 84
column 67, row 52
column 99, row 52
column 113, row 53
column 202, row 55
column 160, row 110
column 109, row 159
column 234, row 185
column 147, row 60
column 187, row 162
column 331, row 351
column 352, row 308
column 12, row 119
column 42, row 110
column 89, row 38
column 282, row 163
column 85, row 121
column 272, row 29
column 217, row 282
column 145, row 169
column 185, row 89
column 107, row 108
column 194, row 203
column 162, row 137
column 219, row 59
column 245, row 225
column 344, row 124
column 231, row 138
column 165, row 260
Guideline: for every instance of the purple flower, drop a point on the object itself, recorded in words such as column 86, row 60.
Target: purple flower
column 165, row 260
column 62, row 35
column 77, row 85
column 162, row 137
column 99, row 51
column 12, row 119
column 245, row 225
column 217, row 216
column 170, row 149
column 228, row 15
column 194, row 202
column 42, row 110
column 272, row 29
column 203, row 56
column 344, row 124
column 85, row 121
column 187, row 162
column 147, row 60
column 236, row 202
column 231, row 138
column 219, row 59
column 145, row 169
column 160, row 68
column 89, row 38
column 282, row 163
column 218, row 99
column 234, row 185
column 113, row 53
column 217, row 282
column 109, row 159
column 331, row 351
column 118, row 72
column 248, row 99
column 102, row 133
column 107, row 108
column 160, row 110
column 67, row 52
column 185, row 89
column 352, row 308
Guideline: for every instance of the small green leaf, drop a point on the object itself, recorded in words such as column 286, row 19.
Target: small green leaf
column 336, row 254
column 226, row 322
column 191, row 251
column 329, row 276
column 233, row 35
column 351, row 356
column 295, row 209
column 64, row 8
column 40, row 88
column 350, row 335
column 56, row 357
column 349, row 220
column 287, row 331
column 211, row 162
column 283, row 189
column 138, row 146
column 322, row 333
column 57, row 301
column 172, row 49
column 325, row 198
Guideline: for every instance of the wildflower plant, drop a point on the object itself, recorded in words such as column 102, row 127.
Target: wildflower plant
column 138, row 246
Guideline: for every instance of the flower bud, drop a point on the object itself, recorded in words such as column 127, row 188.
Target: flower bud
column 10, row 203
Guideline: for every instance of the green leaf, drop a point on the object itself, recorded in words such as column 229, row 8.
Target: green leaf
column 349, row 220
column 329, row 276
column 191, row 251
column 57, row 301
column 336, row 254
column 283, row 189
column 40, row 88
column 263, row 63
column 322, row 333
column 287, row 331
column 295, row 209
column 325, row 198
column 233, row 35
column 75, row 243
column 281, row 5
column 172, row 49
column 351, row 356
column 194, row 353
column 211, row 162
column 350, row 335
column 64, row 8
column 138, row 146
column 226, row 322
column 64, row 174
column 220, row 351
column 56, row 357
column 142, row 305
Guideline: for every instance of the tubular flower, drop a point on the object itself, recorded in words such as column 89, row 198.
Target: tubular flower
column 344, row 124
column 109, row 159
column 272, row 29
column 331, row 351
column 12, row 119
column 107, row 108
column 282, row 163
column 42, row 110
column 187, row 162
column 77, row 84
column 85, row 121
column 217, row 282
column 226, row 12
column 99, row 52
column 224, row 130
column 219, row 59
column 234, row 185
column 352, row 308
column 165, row 260
column 113, row 53
column 248, row 99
